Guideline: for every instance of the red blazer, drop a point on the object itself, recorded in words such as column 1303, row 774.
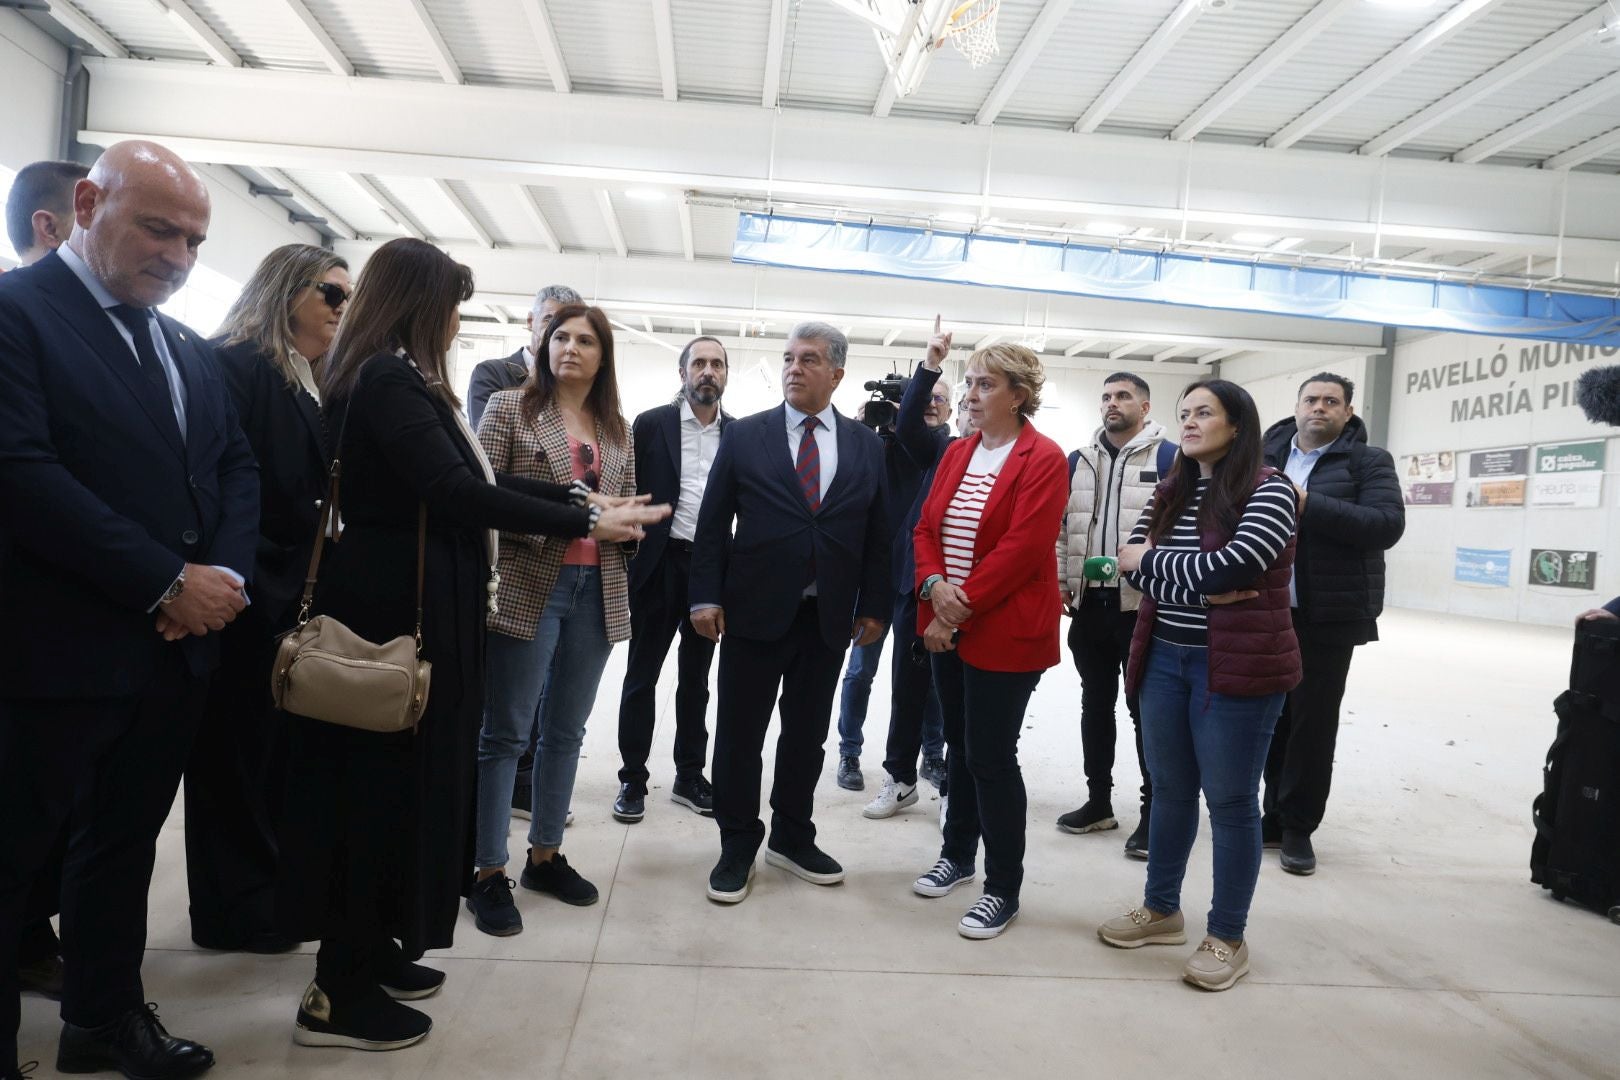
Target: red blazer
column 1013, row 589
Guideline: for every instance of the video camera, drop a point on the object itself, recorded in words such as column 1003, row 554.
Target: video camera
column 882, row 409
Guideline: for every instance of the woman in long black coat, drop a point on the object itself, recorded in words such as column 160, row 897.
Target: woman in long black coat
column 375, row 849
column 269, row 349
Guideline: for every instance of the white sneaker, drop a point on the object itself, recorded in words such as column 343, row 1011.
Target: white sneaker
column 894, row 797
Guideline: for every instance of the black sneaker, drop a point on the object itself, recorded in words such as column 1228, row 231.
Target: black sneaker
column 1271, row 833
column 490, row 901
column 1137, row 846
column 1297, row 856
column 933, row 771
column 369, row 1020
column 988, row 918
column 523, row 794
column 731, row 877
column 697, row 795
column 849, row 773
column 1096, row 816
column 412, row 982
column 945, row 876
column 556, row 877
column 809, row 862
column 631, row 805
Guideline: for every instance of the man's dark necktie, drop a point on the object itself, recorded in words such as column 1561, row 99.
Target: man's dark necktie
column 808, row 466
column 154, row 379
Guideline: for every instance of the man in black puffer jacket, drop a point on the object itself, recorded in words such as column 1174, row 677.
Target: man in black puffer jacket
column 1351, row 512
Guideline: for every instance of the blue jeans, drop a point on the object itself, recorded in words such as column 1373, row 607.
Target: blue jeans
column 1195, row 739
column 558, row 673
column 857, row 691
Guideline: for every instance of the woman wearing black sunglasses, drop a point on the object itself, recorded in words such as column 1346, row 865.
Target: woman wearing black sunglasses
column 270, row 350
column 562, row 606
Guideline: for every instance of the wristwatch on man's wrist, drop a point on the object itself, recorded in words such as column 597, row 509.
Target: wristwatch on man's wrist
column 174, row 590
column 928, row 584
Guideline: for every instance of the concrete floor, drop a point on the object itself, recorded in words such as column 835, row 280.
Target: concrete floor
column 1419, row 949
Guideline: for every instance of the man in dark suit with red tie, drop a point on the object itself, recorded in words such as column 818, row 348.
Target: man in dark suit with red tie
column 133, row 517
column 806, row 572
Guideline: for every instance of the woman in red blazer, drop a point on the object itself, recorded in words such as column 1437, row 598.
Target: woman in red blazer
column 989, row 613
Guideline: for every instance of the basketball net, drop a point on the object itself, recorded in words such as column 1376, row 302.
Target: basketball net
column 972, row 30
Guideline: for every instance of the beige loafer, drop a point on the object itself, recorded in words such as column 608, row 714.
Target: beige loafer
column 1137, row 927
column 1216, row 965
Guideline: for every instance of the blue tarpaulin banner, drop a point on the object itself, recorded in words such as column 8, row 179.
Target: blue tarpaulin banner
column 1483, row 566
column 1170, row 278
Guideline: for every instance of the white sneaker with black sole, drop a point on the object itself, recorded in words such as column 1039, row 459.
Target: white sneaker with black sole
column 893, row 798
column 989, row 918
column 944, row 877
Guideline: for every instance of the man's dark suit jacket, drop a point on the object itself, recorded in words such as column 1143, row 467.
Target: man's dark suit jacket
column 490, row 378
column 657, row 437
column 759, row 576
column 103, row 502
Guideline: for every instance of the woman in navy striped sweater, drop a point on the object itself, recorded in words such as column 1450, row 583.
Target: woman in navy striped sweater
column 1213, row 656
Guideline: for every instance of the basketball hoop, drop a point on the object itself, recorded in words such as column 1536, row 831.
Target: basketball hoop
column 972, row 30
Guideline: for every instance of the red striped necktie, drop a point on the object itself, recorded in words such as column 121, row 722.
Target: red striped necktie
column 808, row 464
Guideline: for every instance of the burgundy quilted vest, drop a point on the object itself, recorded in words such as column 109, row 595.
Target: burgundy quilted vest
column 1252, row 648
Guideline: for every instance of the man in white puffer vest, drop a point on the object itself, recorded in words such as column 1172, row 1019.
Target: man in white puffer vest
column 1110, row 482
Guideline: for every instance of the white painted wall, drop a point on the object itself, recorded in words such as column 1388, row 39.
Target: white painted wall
column 1437, row 391
column 31, row 69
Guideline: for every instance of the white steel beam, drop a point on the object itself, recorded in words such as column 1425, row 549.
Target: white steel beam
column 1589, row 150
column 866, row 15
column 1029, row 50
column 334, row 223
column 531, row 206
column 546, row 38
column 1146, row 58
column 433, row 130
column 697, row 326
column 1390, row 65
column 610, row 218
column 1124, row 350
column 330, row 54
column 1220, row 354
column 687, row 247
column 1592, row 94
column 1278, row 53
column 647, row 323
column 367, row 187
column 199, row 31
column 1170, row 353
column 1081, row 346
column 664, row 34
column 1537, row 56
column 923, row 27
column 891, row 337
column 771, row 88
column 438, row 51
column 989, row 340
column 82, row 26
column 464, row 212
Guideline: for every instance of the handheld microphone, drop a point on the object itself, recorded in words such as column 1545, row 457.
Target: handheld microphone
column 1597, row 392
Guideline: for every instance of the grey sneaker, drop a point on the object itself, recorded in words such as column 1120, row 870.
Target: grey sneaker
column 1216, row 965
column 1137, row 927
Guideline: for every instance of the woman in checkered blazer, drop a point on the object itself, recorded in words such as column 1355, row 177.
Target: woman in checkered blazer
column 562, row 604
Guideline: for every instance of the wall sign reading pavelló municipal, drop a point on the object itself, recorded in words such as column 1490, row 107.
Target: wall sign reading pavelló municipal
column 1498, row 384
column 1561, row 569
column 1568, row 474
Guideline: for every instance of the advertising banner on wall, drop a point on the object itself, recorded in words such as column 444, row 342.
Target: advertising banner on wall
column 1508, row 461
column 1568, row 474
column 1427, row 479
column 1483, row 566
column 1560, row 569
column 1497, row 477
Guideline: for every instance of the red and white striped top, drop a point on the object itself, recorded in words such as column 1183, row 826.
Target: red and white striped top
column 961, row 525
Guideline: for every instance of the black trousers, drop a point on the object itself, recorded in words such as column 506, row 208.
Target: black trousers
column 984, row 714
column 805, row 670
column 110, row 767
column 1100, row 641
column 234, row 785
column 658, row 611
column 1299, row 767
column 912, row 688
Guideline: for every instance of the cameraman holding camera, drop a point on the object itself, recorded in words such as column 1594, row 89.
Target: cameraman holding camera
column 919, row 433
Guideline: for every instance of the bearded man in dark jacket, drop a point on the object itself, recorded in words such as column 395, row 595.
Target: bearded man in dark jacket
column 1351, row 512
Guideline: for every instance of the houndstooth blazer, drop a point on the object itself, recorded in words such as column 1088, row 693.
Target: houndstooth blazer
column 529, row 564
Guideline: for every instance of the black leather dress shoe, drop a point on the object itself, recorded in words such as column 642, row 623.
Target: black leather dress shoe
column 43, row 977
column 20, row 1072
column 135, row 1044
column 262, row 942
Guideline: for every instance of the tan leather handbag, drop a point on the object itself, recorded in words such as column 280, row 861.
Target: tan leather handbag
column 326, row 671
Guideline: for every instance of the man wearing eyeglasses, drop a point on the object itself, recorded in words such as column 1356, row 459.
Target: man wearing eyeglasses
column 506, row 372
column 675, row 449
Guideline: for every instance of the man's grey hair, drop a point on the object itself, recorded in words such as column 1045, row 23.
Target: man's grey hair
column 837, row 343
column 560, row 293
